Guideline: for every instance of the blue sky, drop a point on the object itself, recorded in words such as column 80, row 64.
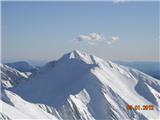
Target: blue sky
column 114, row 31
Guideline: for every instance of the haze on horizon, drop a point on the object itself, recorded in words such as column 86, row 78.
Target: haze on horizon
column 126, row 31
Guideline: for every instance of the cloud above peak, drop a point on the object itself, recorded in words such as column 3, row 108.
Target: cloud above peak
column 94, row 38
column 113, row 40
column 90, row 37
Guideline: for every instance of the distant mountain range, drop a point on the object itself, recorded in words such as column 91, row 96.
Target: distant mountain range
column 78, row 86
column 150, row 68
column 21, row 66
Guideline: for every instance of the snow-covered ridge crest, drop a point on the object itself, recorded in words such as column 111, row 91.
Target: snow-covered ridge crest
column 10, row 77
column 81, row 56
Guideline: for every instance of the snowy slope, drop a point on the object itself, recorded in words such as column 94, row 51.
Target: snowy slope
column 13, row 107
column 11, row 77
column 82, row 86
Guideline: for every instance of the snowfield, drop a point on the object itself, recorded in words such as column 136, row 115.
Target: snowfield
column 11, row 77
column 79, row 86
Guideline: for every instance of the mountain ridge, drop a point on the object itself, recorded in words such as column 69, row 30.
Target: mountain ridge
column 82, row 86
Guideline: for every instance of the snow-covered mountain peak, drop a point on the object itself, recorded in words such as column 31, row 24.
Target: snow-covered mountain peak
column 81, row 56
column 75, row 54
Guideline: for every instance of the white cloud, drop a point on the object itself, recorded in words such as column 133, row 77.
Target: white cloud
column 94, row 38
column 90, row 37
column 113, row 40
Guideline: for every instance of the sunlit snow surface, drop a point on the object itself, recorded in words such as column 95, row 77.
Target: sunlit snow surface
column 85, row 87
